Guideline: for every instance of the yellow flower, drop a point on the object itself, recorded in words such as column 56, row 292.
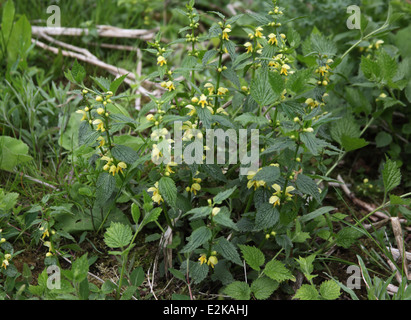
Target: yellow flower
column 378, row 43
column 100, row 125
column 5, row 264
column 168, row 167
column 272, row 39
column 212, row 261
column 203, row 258
column 45, row 234
column 100, row 111
column 120, row 166
column 156, row 152
column 150, row 117
column 210, row 87
column 195, row 187
column 156, row 195
column 258, row 33
column 222, row 91
column 49, row 254
column 113, row 169
column 221, row 110
column 7, row 256
column 215, row 211
column 3, row 240
column 83, row 113
column 248, row 46
column 284, row 69
column 287, row 192
column 226, row 31
column 275, row 200
column 203, row 100
column 192, row 109
column 254, row 183
column 161, row 61
column 170, row 86
column 99, row 98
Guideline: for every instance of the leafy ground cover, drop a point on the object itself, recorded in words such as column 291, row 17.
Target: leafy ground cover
column 205, row 150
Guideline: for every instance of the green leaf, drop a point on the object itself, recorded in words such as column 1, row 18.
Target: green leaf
column 124, row 153
column 347, row 237
column 199, row 213
column 260, row 91
column 346, row 126
column 228, row 251
column 330, row 290
column 78, row 72
column 316, row 213
column 168, row 190
column 12, row 153
column 152, row 215
column 263, row 287
column 102, row 82
column 214, row 171
column 267, row 174
column 105, row 186
column 21, row 35
column 80, row 268
column 135, row 212
column 391, row 175
column 276, row 82
column 266, row 217
column 253, row 256
column 307, row 292
column 238, row 290
column 118, row 235
column 223, row 219
column 383, row 139
column 7, row 21
column 277, row 271
column 220, row 197
column 137, row 277
column 246, row 118
column 351, row 143
column 116, row 83
column 199, row 237
column 308, row 186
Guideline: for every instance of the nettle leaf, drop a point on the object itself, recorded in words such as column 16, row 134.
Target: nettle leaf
column 277, row 271
column 238, row 290
column 224, row 195
column 276, row 82
column 102, row 82
column 124, row 153
column 152, row 215
column 266, row 217
column 391, row 175
column 253, row 256
column 106, row 183
column 268, row 174
column 308, row 186
column 12, row 153
column 78, row 72
column 383, row 139
column 248, row 117
column 118, row 235
column 80, row 268
column 307, row 292
column 260, row 91
column 199, row 213
column 215, row 172
column 347, row 126
column 116, row 83
column 347, row 237
column 330, row 290
column 223, row 218
column 228, row 251
column 168, row 190
column 263, row 287
column 199, row 237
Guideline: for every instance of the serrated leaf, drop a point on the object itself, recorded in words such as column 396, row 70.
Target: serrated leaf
column 223, row 219
column 224, row 195
column 248, row 117
column 199, row 213
column 351, row 143
column 116, row 83
column 215, row 172
column 238, row 290
column 152, row 215
column 118, row 235
column 78, row 72
column 391, row 175
column 330, row 290
column 277, row 271
column 253, row 256
column 307, row 292
column 168, row 190
column 260, row 91
column 267, row 216
column 262, row 288
column 80, row 268
column 383, row 139
column 228, row 251
column 124, row 153
column 199, row 237
column 308, row 186
column 105, row 186
column 347, row 236
column 267, row 174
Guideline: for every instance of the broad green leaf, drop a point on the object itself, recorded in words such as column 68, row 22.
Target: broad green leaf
column 199, row 237
column 263, row 287
column 21, row 40
column 199, row 213
column 152, row 215
column 118, row 235
column 12, row 153
column 80, row 268
column 307, row 292
column 214, row 171
column 168, row 190
column 347, row 237
column 7, row 21
column 228, row 251
column 267, row 174
column 266, row 217
column 277, row 271
column 253, row 256
column 346, row 126
column 106, row 183
column 238, row 290
column 78, row 72
column 135, row 212
column 125, row 154
column 260, row 91
column 351, row 143
column 223, row 219
column 316, row 213
column 116, row 83
column 391, row 175
column 248, row 117
column 330, row 290
column 308, row 186
column 383, row 139
column 224, row 195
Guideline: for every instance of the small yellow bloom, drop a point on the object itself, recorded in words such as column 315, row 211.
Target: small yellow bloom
column 99, row 98
column 113, row 169
column 222, row 91
column 215, row 211
column 258, row 33
column 7, row 256
column 169, row 165
column 195, row 187
column 100, row 125
column 45, row 234
column 170, row 86
column 272, row 39
column 248, row 46
column 100, row 111
column 210, row 87
column 156, row 194
column 120, row 166
column 192, row 109
column 226, row 31
column 83, row 113
column 150, row 117
column 365, row 180
column 5, row 264
column 284, row 69
column 254, row 183
column 161, row 61
column 3, row 240
column 275, row 200
column 203, row 258
column 212, row 261
column 49, row 254
column 203, row 100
